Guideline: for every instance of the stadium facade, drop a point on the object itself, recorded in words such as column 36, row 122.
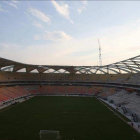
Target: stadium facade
column 119, row 71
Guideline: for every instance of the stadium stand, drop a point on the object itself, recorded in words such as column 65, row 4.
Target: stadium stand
column 129, row 101
column 10, row 93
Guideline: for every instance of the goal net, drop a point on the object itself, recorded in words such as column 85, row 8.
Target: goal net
column 49, row 135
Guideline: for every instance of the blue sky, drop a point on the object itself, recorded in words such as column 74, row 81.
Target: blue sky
column 66, row 32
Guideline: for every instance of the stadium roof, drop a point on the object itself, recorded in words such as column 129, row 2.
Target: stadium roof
column 131, row 65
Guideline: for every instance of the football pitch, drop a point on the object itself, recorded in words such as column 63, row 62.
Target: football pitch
column 76, row 118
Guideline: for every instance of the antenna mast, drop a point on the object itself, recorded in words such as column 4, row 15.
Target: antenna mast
column 100, row 54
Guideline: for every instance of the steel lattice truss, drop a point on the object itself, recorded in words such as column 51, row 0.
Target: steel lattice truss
column 131, row 65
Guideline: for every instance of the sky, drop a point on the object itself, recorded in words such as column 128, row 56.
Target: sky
column 55, row 32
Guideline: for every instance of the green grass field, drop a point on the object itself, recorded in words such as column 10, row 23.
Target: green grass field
column 77, row 118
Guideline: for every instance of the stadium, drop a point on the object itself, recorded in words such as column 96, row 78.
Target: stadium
column 69, row 70
column 70, row 102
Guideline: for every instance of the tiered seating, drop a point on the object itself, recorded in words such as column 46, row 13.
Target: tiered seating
column 65, row 90
column 105, row 92
column 4, row 95
column 10, row 93
column 131, row 101
column 135, row 79
column 32, row 89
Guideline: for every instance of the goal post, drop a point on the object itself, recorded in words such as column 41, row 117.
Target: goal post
column 49, row 135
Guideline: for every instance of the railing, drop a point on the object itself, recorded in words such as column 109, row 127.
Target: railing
column 69, row 83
